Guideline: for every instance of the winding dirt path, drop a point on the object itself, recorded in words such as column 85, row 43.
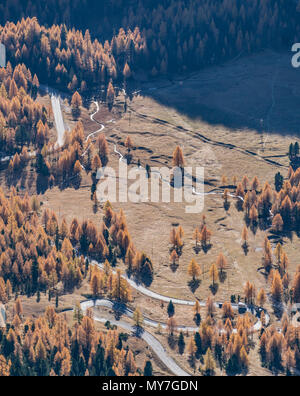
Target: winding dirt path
column 92, row 119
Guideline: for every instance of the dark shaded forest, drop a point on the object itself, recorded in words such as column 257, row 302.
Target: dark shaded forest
column 156, row 39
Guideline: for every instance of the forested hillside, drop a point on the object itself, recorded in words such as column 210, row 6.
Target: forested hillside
column 95, row 84
column 47, row 346
column 173, row 36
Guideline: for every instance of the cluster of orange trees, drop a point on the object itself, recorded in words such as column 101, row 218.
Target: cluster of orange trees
column 173, row 36
column 282, row 207
column 176, row 240
column 281, row 210
column 24, row 128
column 227, row 341
column 281, row 350
column 106, row 282
column 69, row 58
column 137, row 262
column 22, row 120
column 281, row 283
column 48, row 346
column 65, row 166
column 202, row 235
column 35, row 255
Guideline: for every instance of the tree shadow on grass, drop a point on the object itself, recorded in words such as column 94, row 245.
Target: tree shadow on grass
column 222, row 276
column 194, row 285
column 138, row 331
column 174, row 267
column 197, row 249
column 214, row 288
column 147, row 279
column 206, row 248
column 254, row 227
column 119, row 310
column 227, row 206
column 278, row 309
column 245, row 247
column 276, row 237
column 192, row 362
column 172, row 342
column 247, row 221
column 197, row 319
column 239, row 205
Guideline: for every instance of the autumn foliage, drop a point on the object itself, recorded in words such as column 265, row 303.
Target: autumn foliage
column 171, row 37
column 48, row 346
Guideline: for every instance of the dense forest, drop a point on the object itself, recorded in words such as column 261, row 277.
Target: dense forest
column 36, row 254
column 23, row 121
column 48, row 346
column 82, row 46
column 171, row 37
